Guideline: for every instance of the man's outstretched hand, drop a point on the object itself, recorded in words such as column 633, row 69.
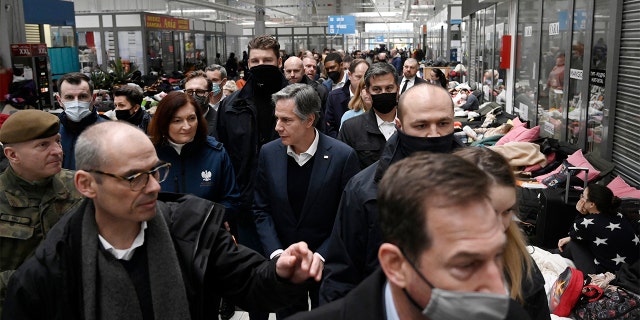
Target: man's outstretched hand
column 297, row 264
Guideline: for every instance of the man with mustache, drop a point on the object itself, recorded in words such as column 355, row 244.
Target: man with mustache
column 36, row 191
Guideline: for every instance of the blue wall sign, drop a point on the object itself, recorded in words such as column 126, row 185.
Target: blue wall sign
column 342, row 24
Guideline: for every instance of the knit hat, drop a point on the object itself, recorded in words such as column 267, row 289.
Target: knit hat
column 28, row 125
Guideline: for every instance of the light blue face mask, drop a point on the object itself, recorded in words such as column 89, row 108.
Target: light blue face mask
column 76, row 110
column 215, row 89
column 455, row 305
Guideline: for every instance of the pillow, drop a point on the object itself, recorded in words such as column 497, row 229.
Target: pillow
column 520, row 134
column 576, row 159
column 549, row 158
column 517, row 123
column 622, row 189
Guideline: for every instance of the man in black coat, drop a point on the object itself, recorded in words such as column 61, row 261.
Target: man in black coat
column 368, row 133
column 115, row 257
column 338, row 100
column 425, row 123
column 442, row 253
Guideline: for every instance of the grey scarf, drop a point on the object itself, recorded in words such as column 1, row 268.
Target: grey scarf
column 108, row 291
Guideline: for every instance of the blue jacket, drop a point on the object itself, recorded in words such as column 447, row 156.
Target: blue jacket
column 333, row 165
column 203, row 169
column 69, row 132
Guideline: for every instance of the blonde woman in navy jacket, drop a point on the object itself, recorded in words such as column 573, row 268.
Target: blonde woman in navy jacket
column 199, row 164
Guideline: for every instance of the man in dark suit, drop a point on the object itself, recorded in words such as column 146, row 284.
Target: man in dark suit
column 409, row 78
column 338, row 100
column 425, row 123
column 368, row 133
column 441, row 257
column 299, row 181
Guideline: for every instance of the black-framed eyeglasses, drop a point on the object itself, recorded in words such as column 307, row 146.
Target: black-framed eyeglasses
column 139, row 180
column 197, row 92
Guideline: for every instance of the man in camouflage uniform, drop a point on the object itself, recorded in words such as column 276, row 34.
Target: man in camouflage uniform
column 34, row 190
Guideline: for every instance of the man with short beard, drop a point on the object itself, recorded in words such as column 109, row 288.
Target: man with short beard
column 36, row 191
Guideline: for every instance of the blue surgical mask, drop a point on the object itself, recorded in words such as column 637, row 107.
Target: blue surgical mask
column 455, row 305
column 215, row 89
column 77, row 110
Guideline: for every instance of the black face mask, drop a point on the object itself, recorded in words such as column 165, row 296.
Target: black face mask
column 203, row 102
column 334, row 76
column 384, row 102
column 409, row 145
column 123, row 114
column 267, row 78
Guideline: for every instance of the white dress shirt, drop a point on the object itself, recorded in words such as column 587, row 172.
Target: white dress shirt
column 387, row 128
column 125, row 254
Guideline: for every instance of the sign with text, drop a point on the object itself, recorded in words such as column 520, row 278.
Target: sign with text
column 554, row 28
column 597, row 77
column 575, row 74
column 167, row 23
column 342, row 25
column 379, row 38
column 528, row 31
column 28, row 49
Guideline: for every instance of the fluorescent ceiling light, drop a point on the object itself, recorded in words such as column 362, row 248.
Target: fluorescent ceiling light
column 375, row 14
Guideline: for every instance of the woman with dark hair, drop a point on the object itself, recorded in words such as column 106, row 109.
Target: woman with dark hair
column 600, row 240
column 199, row 164
column 437, row 77
column 526, row 283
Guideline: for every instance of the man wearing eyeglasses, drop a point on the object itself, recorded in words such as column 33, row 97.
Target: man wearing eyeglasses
column 35, row 190
column 208, row 93
column 122, row 254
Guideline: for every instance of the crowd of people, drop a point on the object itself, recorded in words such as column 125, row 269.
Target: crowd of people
column 326, row 182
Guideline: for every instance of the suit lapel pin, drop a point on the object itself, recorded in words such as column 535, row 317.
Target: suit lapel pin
column 326, row 157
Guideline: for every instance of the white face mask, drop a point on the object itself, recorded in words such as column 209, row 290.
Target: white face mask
column 76, row 110
column 455, row 305
column 463, row 96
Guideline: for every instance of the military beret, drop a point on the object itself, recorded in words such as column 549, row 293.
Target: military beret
column 28, row 125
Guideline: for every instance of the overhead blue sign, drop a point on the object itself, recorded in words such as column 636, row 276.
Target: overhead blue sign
column 379, row 38
column 342, row 24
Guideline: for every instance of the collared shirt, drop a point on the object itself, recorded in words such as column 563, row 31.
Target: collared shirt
column 389, row 306
column 387, row 128
column 339, row 84
column 410, row 83
column 125, row 254
column 303, row 157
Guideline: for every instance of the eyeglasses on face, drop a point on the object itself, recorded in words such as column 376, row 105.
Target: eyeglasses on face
column 138, row 181
column 197, row 92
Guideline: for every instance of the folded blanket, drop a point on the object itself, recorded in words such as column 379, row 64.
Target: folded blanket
column 521, row 154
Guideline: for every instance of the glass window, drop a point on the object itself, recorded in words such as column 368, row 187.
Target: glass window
column 555, row 32
column 154, row 51
column 526, row 64
column 597, row 109
column 130, row 48
column 110, row 46
column 576, row 72
column 88, row 47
